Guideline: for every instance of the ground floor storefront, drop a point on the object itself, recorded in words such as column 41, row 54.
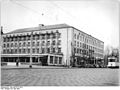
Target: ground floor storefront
column 80, row 61
column 44, row 59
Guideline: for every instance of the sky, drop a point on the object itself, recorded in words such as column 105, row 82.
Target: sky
column 99, row 18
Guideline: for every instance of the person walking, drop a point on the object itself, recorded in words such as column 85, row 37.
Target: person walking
column 17, row 62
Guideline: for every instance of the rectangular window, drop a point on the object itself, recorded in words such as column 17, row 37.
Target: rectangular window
column 60, row 60
column 38, row 50
column 28, row 50
column 4, row 51
column 37, row 43
column 4, row 45
column 48, row 43
column 43, row 50
column 74, row 50
column 53, row 43
column 28, row 37
column 43, row 36
column 33, row 37
column 33, row 50
column 53, row 50
column 51, row 59
column 77, row 44
column 19, row 50
column 38, row 37
column 54, row 35
column 59, row 35
column 48, row 50
column 33, row 44
column 78, row 37
column 43, row 43
column 59, row 50
column 75, row 36
column 59, row 42
column 48, row 36
column 56, row 60
column 28, row 44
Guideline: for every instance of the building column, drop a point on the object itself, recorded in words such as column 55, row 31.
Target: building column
column 53, row 59
column 30, row 62
column 48, row 60
column 58, row 61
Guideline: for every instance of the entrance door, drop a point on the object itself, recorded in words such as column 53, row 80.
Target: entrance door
column 44, row 60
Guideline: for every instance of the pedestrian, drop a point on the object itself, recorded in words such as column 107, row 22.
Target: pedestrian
column 17, row 62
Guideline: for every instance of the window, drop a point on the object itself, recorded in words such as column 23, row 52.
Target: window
column 19, row 44
column 75, row 36
column 43, row 50
column 48, row 50
column 4, row 45
column 12, row 39
column 11, row 44
column 77, row 44
column 24, row 44
column 59, row 35
column 15, row 50
column 59, row 42
column 48, row 36
column 34, row 37
column 51, row 59
column 54, row 35
column 15, row 44
column 8, row 45
column 43, row 43
column 23, row 50
column 60, row 60
column 33, row 50
column 53, row 43
column 53, row 50
column 4, row 51
column 56, row 59
column 37, row 43
column 28, row 50
column 33, row 44
column 19, row 50
column 12, row 51
column 59, row 50
column 28, row 43
column 37, row 50
column 48, row 43
column 38, row 37
column 15, row 38
column 74, row 50
column 4, row 39
column 43, row 36
column 28, row 37
column 78, row 37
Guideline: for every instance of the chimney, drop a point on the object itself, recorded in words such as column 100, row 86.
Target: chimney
column 40, row 25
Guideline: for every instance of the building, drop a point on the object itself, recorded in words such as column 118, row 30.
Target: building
column 58, row 44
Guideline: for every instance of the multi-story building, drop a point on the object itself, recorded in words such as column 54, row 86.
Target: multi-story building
column 59, row 44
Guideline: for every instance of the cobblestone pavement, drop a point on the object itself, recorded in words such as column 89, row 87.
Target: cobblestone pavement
column 59, row 77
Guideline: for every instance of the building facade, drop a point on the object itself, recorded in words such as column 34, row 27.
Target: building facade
column 59, row 44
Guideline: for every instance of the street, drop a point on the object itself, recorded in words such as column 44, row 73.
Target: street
column 59, row 76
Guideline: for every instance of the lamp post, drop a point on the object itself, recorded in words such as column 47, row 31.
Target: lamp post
column 30, row 65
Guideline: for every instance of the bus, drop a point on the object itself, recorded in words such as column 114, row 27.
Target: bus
column 113, row 63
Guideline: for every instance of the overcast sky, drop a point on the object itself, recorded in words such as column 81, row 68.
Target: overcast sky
column 99, row 18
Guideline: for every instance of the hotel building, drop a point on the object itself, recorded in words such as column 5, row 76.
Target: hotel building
column 58, row 44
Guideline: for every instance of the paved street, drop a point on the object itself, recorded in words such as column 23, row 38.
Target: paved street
column 46, row 76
